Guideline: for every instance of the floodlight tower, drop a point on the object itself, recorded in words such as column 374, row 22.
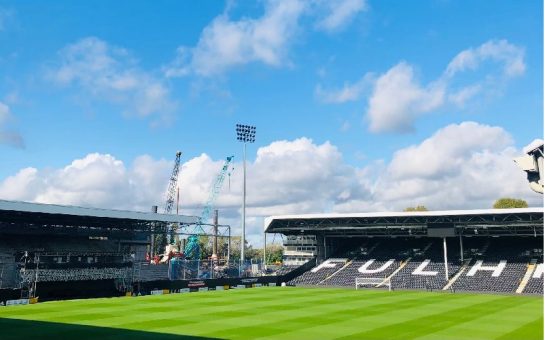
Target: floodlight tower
column 245, row 134
column 532, row 164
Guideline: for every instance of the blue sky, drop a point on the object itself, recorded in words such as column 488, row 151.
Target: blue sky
column 372, row 78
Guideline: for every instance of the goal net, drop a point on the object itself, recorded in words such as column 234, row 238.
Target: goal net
column 374, row 282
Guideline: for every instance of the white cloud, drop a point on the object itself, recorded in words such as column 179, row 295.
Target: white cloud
column 8, row 136
column 510, row 55
column 339, row 13
column 445, row 153
column 110, row 73
column 96, row 180
column 227, row 43
column 397, row 100
column 460, row 97
column 462, row 166
column 349, row 92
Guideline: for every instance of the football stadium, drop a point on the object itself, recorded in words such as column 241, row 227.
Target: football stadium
column 391, row 194
column 373, row 276
column 74, row 272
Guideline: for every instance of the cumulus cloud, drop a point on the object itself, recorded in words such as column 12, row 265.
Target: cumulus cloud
column 349, row 92
column 96, row 180
column 292, row 176
column 296, row 177
column 445, row 153
column 110, row 73
column 226, row 43
column 460, row 97
column 339, row 13
column 397, row 99
column 8, row 136
column 502, row 51
column 462, row 166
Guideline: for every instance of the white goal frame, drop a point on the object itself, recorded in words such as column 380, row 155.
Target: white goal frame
column 374, row 281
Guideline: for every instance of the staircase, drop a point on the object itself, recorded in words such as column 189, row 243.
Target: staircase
column 403, row 264
column 458, row 274
column 527, row 276
column 330, row 276
column 136, row 271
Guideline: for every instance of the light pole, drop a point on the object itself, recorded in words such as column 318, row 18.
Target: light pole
column 245, row 134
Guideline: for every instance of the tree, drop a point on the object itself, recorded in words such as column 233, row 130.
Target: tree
column 160, row 243
column 205, row 245
column 235, row 248
column 417, row 208
column 274, row 253
column 507, row 202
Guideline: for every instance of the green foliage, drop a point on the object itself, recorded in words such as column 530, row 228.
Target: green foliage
column 417, row 208
column 205, row 244
column 160, row 243
column 274, row 253
column 250, row 253
column 507, row 202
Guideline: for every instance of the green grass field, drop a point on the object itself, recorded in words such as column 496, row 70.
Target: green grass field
column 281, row 313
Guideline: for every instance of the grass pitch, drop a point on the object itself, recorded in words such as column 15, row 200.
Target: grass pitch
column 281, row 313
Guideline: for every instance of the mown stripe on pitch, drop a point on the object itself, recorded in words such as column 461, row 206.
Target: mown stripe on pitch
column 312, row 310
column 433, row 323
column 221, row 326
column 529, row 331
column 282, row 313
column 156, row 323
column 307, row 313
column 499, row 322
column 339, row 313
column 374, row 318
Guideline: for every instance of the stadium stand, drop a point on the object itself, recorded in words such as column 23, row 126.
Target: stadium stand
column 535, row 283
column 76, row 248
column 150, row 272
column 378, row 259
column 8, row 275
column 500, row 267
column 320, row 272
column 490, row 265
column 366, row 255
column 76, row 274
column 283, row 270
column 426, row 268
column 61, row 258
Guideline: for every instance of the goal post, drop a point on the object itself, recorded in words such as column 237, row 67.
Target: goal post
column 373, row 281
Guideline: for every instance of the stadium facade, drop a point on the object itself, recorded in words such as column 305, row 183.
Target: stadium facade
column 88, row 248
column 492, row 250
column 57, row 252
column 64, row 252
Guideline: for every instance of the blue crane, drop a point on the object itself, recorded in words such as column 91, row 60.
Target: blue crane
column 192, row 248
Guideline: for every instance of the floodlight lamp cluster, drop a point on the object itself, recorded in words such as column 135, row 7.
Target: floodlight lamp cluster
column 245, row 133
